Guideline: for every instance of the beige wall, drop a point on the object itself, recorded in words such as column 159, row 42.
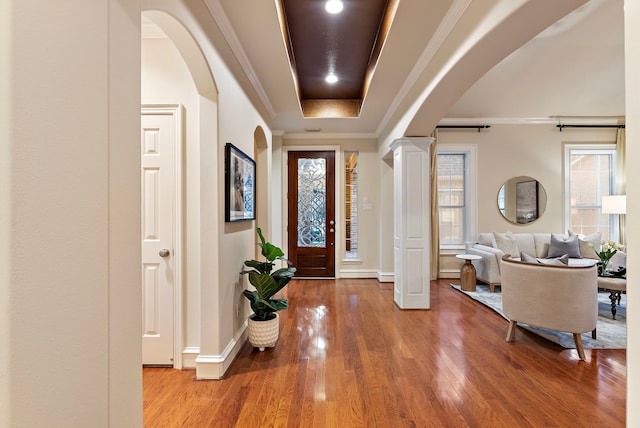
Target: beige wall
column 506, row 151
column 70, row 114
column 166, row 80
column 215, row 249
column 632, row 71
column 70, row 271
column 368, row 186
column 386, row 252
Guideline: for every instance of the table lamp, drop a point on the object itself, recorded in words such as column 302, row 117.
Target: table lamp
column 614, row 204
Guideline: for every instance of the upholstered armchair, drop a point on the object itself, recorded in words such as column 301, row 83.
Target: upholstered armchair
column 561, row 298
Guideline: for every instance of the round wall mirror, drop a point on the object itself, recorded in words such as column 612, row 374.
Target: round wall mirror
column 522, row 200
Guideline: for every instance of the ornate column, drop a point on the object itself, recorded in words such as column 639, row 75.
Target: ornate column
column 412, row 216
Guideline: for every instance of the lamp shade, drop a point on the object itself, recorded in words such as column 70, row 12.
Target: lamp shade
column 614, row 204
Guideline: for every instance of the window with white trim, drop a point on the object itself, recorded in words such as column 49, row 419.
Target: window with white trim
column 351, row 204
column 589, row 175
column 456, row 195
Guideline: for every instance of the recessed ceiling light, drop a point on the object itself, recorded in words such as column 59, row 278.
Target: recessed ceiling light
column 331, row 78
column 334, row 6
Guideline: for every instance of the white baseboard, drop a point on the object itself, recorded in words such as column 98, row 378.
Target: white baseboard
column 358, row 273
column 189, row 355
column 215, row 366
column 449, row 273
column 386, row 276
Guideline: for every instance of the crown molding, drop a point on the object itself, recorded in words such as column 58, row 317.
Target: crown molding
column 221, row 18
column 447, row 25
column 553, row 120
column 329, row 136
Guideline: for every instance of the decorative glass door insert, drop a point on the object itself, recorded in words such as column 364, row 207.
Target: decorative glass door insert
column 312, row 203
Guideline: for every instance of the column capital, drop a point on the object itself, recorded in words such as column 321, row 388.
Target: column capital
column 420, row 142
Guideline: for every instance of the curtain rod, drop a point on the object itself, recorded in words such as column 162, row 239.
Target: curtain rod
column 478, row 127
column 560, row 126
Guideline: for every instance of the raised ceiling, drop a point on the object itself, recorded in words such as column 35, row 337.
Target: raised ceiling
column 345, row 44
column 575, row 67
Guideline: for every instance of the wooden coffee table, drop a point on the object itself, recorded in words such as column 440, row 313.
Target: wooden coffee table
column 468, row 272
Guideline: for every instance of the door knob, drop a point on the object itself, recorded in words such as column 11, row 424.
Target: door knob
column 164, row 252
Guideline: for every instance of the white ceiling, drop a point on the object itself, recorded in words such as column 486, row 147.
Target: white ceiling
column 574, row 68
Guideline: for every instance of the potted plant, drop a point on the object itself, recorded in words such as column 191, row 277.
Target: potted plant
column 607, row 251
column 263, row 325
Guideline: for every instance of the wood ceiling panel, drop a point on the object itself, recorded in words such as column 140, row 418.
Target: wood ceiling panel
column 343, row 44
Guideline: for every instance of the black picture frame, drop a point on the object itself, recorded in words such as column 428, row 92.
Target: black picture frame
column 240, row 185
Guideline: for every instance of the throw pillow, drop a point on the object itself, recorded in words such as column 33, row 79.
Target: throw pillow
column 525, row 242
column 619, row 259
column 485, row 239
column 560, row 245
column 506, row 243
column 527, row 258
column 563, row 260
column 588, row 245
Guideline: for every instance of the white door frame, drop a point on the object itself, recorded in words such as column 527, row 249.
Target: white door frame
column 177, row 112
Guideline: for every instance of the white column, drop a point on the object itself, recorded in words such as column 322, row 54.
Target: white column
column 412, row 216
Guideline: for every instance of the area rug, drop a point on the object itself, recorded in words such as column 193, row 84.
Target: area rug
column 611, row 334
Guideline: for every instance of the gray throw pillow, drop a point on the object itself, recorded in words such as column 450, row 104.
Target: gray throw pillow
column 563, row 260
column 527, row 258
column 560, row 245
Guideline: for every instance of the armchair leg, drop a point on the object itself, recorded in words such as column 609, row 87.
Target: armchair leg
column 578, row 339
column 511, row 332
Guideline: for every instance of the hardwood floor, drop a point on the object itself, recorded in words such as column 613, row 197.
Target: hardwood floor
column 348, row 357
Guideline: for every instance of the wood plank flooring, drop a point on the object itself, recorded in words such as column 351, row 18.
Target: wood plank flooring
column 348, row 357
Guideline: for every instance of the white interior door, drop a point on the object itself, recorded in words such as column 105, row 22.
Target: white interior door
column 158, row 139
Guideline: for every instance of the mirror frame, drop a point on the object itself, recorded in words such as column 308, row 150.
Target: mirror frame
column 522, row 200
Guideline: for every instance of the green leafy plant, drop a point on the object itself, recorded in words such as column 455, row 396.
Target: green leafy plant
column 266, row 281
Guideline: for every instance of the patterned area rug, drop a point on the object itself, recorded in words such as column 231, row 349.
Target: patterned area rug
column 611, row 334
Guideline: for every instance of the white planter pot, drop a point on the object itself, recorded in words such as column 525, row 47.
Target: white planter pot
column 264, row 334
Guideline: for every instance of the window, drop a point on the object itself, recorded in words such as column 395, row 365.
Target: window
column 351, row 204
column 589, row 175
column 456, row 195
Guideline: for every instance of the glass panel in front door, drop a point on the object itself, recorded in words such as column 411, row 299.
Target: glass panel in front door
column 312, row 203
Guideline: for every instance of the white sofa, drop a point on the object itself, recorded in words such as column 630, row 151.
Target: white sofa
column 491, row 247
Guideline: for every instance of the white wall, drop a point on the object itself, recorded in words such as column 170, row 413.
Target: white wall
column 70, row 270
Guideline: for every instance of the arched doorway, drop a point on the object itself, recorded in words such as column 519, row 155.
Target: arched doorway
column 175, row 72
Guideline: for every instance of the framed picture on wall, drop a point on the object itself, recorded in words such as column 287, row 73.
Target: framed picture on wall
column 526, row 201
column 240, row 185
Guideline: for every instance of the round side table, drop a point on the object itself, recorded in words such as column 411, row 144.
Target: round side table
column 468, row 272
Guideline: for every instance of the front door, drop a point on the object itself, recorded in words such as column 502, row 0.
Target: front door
column 157, row 188
column 311, row 211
